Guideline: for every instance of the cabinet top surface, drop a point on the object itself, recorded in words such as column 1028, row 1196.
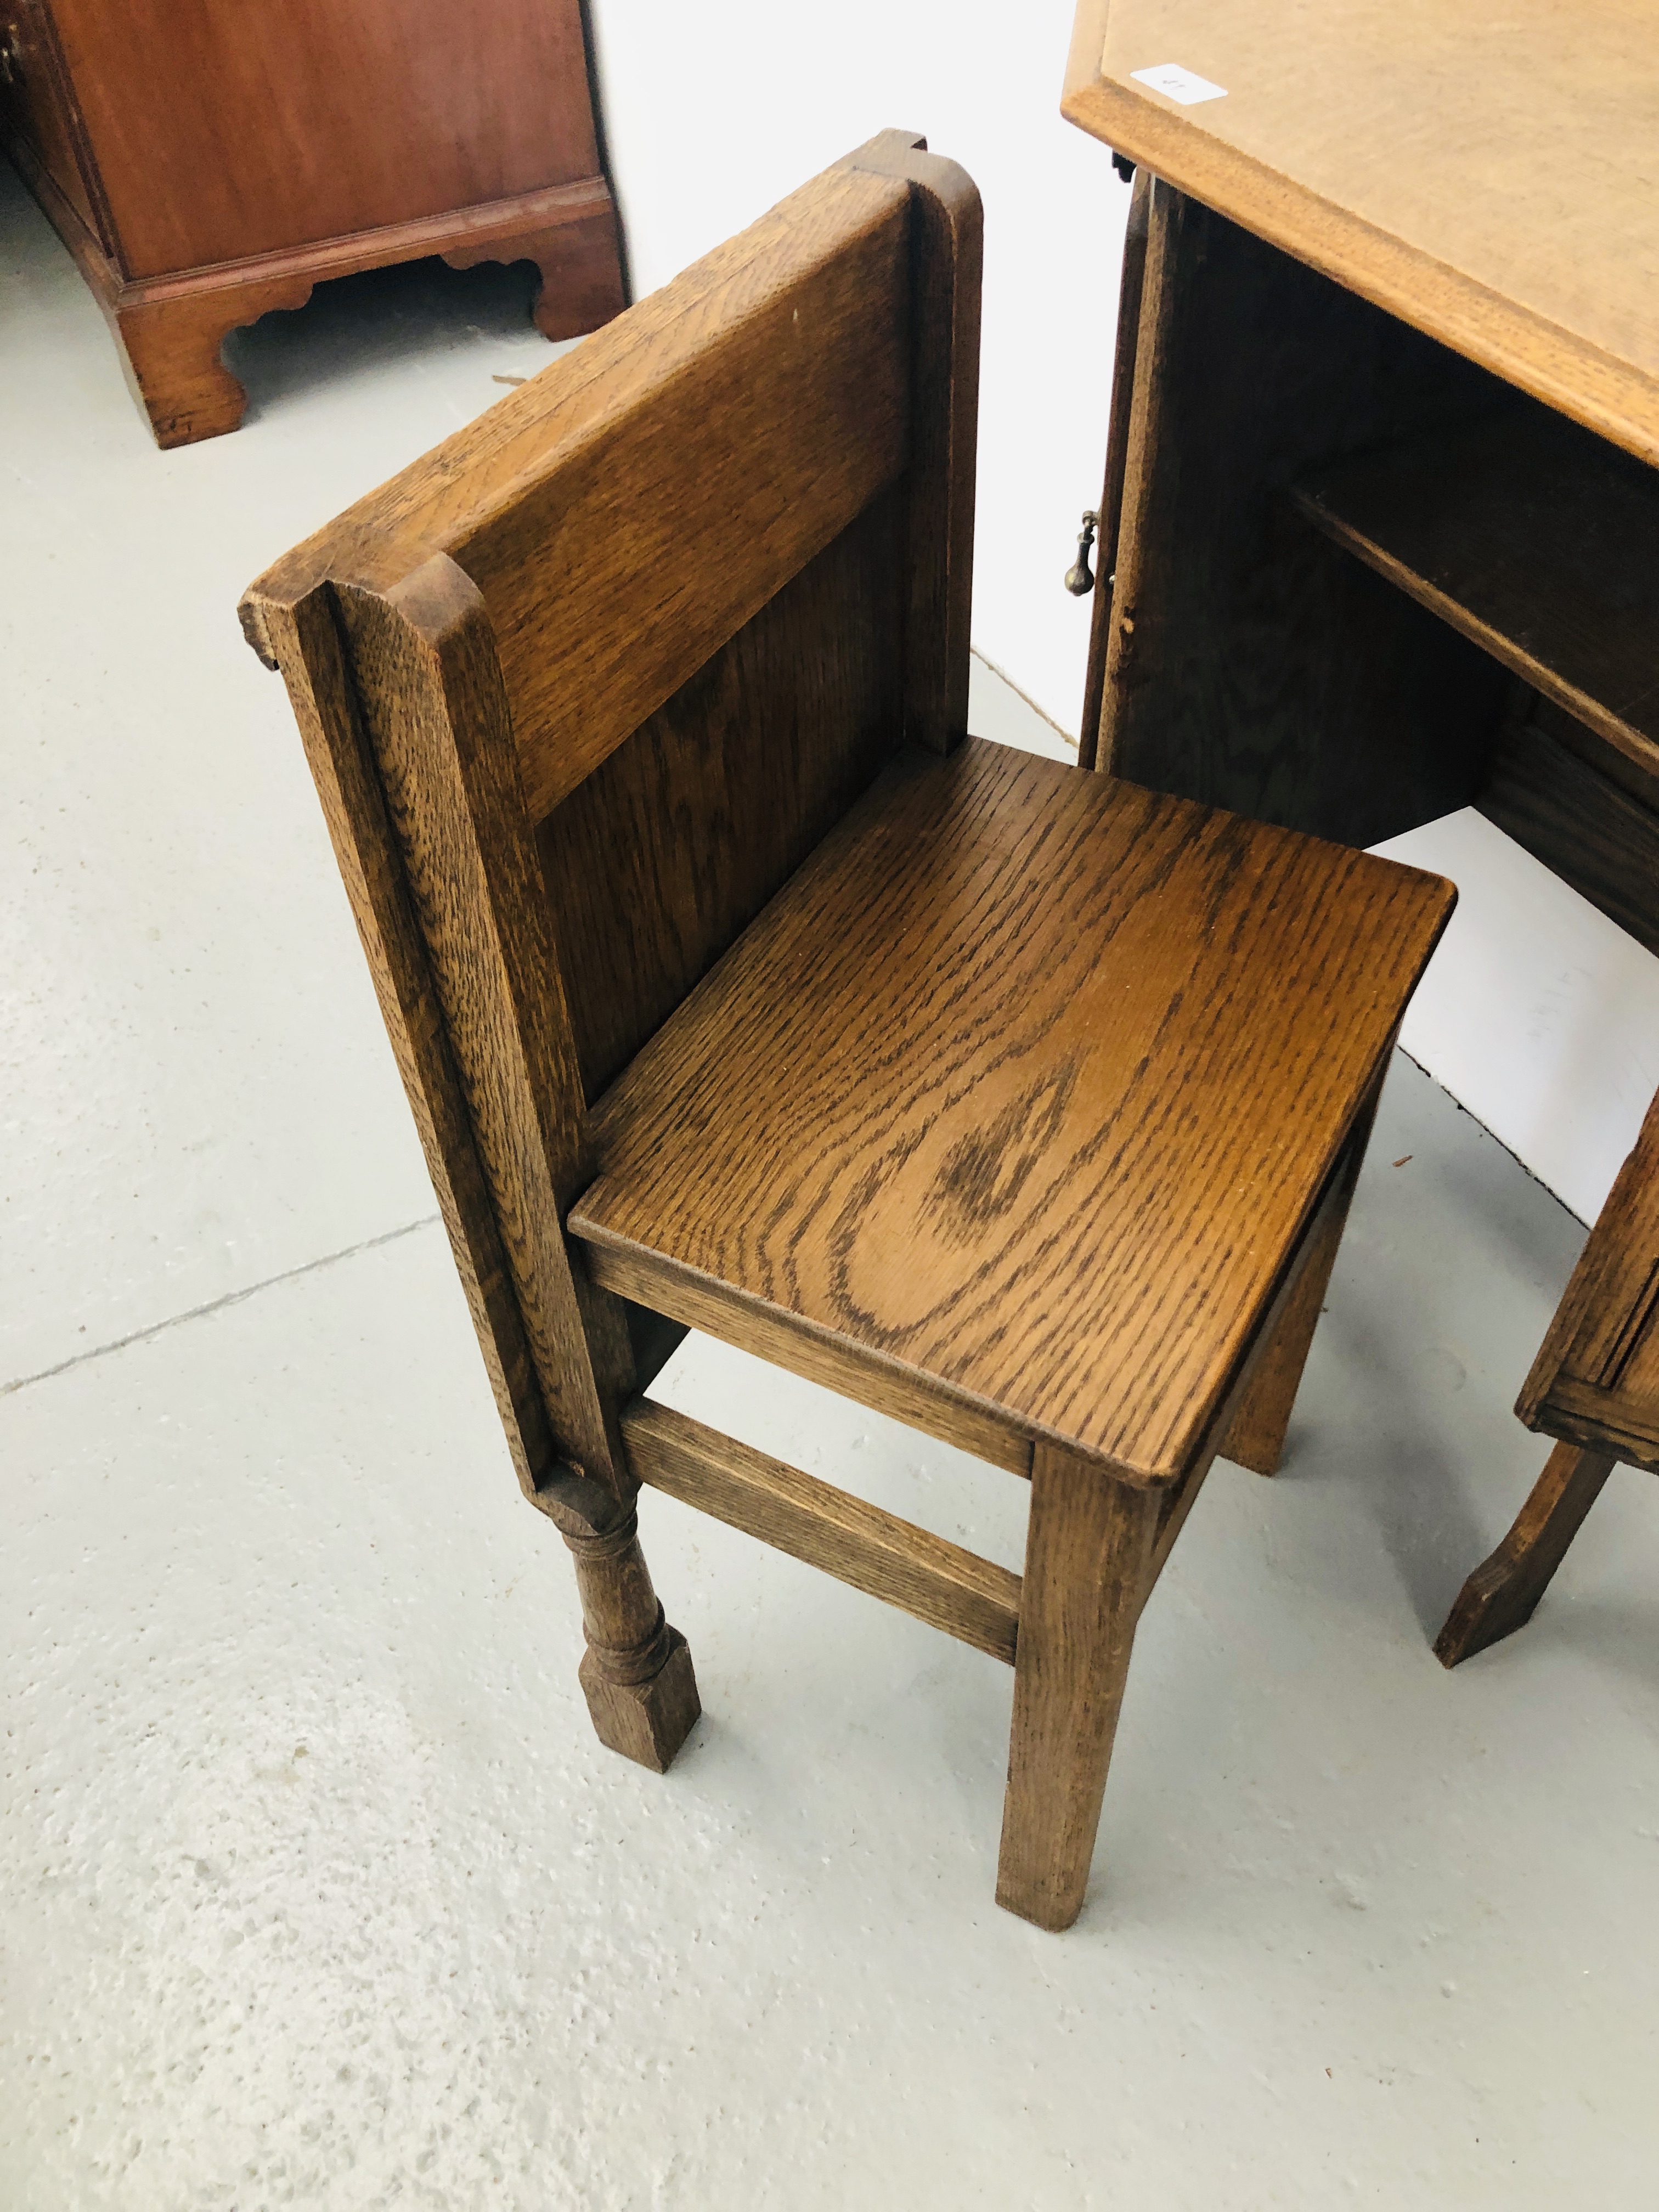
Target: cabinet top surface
column 1488, row 171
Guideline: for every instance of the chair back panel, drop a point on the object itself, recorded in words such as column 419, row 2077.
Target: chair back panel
column 767, row 414
column 607, row 664
column 657, row 862
column 627, row 510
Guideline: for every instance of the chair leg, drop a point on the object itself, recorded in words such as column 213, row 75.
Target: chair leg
column 1256, row 1436
column 1088, row 1554
column 1503, row 1592
column 637, row 1672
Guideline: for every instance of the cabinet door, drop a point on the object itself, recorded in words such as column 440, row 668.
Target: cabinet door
column 35, row 105
column 224, row 129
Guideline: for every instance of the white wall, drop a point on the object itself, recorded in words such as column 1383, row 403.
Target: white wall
column 1538, row 1014
column 714, row 112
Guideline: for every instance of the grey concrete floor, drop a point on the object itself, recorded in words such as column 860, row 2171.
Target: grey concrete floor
column 317, row 1889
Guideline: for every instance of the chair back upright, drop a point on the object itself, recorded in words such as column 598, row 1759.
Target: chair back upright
column 583, row 688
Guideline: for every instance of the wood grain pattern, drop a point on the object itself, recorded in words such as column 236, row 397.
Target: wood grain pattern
column 1595, row 1380
column 674, row 844
column 905, row 1567
column 1249, row 662
column 1256, row 1434
column 1148, row 293
column 1533, row 539
column 320, row 690
column 1583, row 809
column 637, row 1672
column 1099, row 1557
column 1624, row 1422
column 1015, row 1099
column 804, row 1347
column 1265, row 1361
column 310, row 119
column 1479, row 172
column 436, row 716
column 838, row 636
column 1502, row 1594
column 230, row 188
column 798, row 414
column 780, row 360
column 1088, row 1553
column 434, row 711
column 946, row 256
column 1027, row 1081
column 778, row 728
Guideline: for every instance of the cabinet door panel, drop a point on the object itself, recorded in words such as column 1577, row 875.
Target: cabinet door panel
column 222, row 129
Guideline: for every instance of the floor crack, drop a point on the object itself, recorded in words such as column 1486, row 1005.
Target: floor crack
column 214, row 1305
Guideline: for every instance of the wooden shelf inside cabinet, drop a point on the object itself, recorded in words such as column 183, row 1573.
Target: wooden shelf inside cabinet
column 1532, row 538
column 1539, row 543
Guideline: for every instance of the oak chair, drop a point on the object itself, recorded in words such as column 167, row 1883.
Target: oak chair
column 1594, row 1387
column 736, row 987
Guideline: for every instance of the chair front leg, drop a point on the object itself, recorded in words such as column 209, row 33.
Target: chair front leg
column 1502, row 1594
column 1088, row 1556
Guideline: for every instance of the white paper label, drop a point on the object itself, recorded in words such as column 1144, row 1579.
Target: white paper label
column 1177, row 83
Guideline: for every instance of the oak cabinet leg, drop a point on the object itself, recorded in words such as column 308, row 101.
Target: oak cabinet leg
column 1088, row 1552
column 1502, row 1594
column 637, row 1672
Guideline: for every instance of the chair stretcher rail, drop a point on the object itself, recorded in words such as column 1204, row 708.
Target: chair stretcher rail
column 875, row 1552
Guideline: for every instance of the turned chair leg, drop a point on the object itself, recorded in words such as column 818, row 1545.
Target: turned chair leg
column 1503, row 1592
column 1088, row 1553
column 637, row 1672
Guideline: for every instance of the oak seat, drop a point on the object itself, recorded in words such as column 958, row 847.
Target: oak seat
column 1022, row 1088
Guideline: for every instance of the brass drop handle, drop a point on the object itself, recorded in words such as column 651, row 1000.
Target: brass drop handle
column 1079, row 577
